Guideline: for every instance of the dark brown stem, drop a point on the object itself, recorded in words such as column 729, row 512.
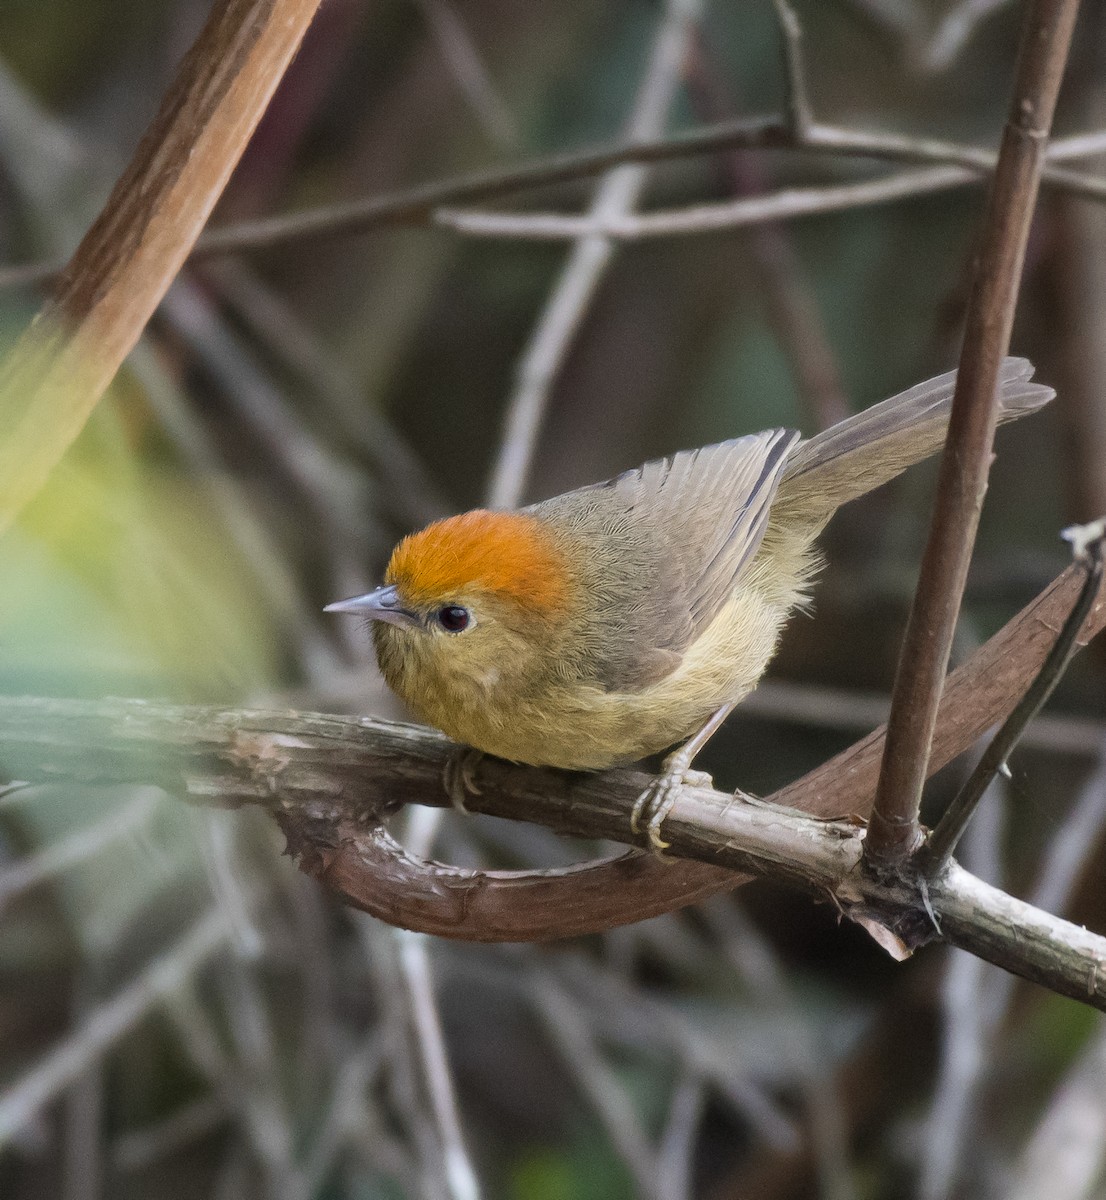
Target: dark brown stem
column 895, row 833
column 941, row 843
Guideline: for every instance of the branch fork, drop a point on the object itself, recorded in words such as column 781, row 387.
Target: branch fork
column 895, row 834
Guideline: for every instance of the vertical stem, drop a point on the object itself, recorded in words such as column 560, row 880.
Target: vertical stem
column 894, row 832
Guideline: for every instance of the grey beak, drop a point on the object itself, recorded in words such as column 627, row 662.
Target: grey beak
column 380, row 605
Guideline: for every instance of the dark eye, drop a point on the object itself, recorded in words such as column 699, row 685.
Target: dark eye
column 453, row 618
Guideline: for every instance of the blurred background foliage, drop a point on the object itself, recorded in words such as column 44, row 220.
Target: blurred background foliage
column 292, row 412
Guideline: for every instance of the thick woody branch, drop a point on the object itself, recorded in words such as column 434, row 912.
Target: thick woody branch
column 329, row 779
column 62, row 364
column 895, row 833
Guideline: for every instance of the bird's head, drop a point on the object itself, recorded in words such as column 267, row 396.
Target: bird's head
column 478, row 597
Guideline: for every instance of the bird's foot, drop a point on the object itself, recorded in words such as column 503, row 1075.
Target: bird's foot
column 656, row 802
column 459, row 776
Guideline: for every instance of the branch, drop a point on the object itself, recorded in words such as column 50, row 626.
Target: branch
column 422, row 205
column 800, row 115
column 586, row 267
column 698, row 219
column 109, row 1021
column 848, row 710
column 895, row 833
column 789, row 303
column 329, row 779
column 429, row 1044
column 943, row 840
column 62, row 364
column 299, row 776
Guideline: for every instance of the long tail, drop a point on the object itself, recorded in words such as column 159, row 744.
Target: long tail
column 865, row 450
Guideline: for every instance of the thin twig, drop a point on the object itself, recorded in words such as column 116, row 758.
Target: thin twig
column 894, row 833
column 942, row 842
column 142, row 1147
column 788, row 298
column 424, row 204
column 623, row 1016
column 547, row 348
column 849, row 710
column 675, row 1155
column 107, row 1023
column 967, row 1029
column 1064, row 1156
column 463, row 59
column 430, row 1043
column 587, row 263
column 406, row 1084
column 407, row 488
column 698, row 219
column 428, row 1040
column 953, row 31
column 603, row 1090
column 77, row 847
column 800, row 114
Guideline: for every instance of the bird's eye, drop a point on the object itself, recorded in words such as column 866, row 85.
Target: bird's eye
column 453, row 618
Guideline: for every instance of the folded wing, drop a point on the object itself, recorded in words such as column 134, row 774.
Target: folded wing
column 681, row 529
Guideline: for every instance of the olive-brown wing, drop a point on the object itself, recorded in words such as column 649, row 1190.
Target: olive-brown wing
column 664, row 546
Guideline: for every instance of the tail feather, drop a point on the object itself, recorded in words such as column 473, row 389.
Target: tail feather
column 865, row 450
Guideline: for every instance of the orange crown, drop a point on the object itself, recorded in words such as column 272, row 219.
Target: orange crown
column 508, row 554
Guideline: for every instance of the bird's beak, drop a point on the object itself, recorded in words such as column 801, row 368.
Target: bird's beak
column 380, row 605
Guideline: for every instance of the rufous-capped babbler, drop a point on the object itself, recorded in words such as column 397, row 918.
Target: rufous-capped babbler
column 601, row 626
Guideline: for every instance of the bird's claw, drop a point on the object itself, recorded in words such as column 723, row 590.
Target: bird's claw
column 459, row 776
column 657, row 801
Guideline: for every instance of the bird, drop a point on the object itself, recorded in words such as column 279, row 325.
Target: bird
column 596, row 628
